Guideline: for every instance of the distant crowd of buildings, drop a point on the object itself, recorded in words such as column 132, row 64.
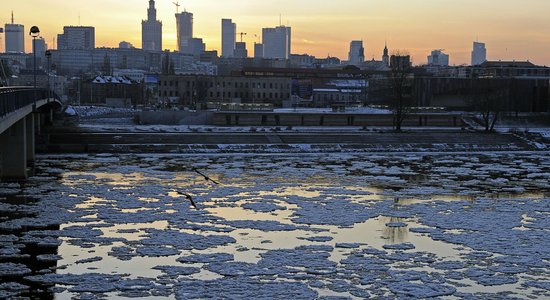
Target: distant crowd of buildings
column 193, row 75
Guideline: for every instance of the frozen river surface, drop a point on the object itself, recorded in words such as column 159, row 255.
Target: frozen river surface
column 279, row 227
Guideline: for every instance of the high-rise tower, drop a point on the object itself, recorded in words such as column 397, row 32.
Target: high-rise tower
column 229, row 34
column 184, row 22
column 277, row 42
column 479, row 54
column 356, row 53
column 15, row 37
column 151, row 30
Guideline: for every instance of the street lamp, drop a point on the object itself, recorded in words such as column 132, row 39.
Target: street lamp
column 34, row 33
column 48, row 57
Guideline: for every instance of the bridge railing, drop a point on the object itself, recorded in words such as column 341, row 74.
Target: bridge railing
column 14, row 98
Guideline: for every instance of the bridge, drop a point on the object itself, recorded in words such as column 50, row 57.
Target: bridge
column 23, row 113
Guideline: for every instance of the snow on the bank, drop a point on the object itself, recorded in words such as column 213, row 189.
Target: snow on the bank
column 93, row 111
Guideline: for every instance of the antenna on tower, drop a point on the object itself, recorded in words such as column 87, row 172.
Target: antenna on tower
column 79, row 19
column 12, row 17
column 177, row 4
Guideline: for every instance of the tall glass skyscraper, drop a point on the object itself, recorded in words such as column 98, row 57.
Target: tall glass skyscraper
column 479, row 54
column 229, row 34
column 184, row 23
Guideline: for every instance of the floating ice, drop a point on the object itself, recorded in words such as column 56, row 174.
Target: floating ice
column 243, row 288
column 206, row 258
column 417, row 290
column 403, row 246
column 13, row 269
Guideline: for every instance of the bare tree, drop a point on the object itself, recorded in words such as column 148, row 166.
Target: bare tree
column 401, row 71
column 489, row 99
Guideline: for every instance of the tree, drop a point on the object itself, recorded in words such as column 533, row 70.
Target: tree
column 400, row 79
column 107, row 70
column 488, row 99
column 5, row 72
column 167, row 64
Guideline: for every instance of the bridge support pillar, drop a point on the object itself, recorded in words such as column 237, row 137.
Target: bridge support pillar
column 13, row 152
column 37, row 123
column 49, row 116
column 30, row 138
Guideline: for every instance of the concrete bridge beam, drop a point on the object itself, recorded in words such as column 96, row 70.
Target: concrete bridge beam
column 13, row 151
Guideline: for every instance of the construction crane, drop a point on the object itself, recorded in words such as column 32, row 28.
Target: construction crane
column 177, row 4
column 241, row 34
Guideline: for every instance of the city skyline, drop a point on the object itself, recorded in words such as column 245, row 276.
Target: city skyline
column 518, row 32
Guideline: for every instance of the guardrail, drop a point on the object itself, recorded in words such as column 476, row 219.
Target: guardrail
column 14, row 98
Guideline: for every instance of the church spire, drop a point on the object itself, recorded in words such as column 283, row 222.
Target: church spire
column 152, row 11
column 386, row 56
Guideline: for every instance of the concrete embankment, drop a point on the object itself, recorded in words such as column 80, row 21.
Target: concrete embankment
column 276, row 142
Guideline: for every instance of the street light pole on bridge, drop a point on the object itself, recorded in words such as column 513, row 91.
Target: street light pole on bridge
column 34, row 33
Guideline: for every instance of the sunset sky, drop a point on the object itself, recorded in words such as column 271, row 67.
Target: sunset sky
column 511, row 29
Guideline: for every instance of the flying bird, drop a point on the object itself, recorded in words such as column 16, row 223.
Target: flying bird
column 205, row 176
column 189, row 197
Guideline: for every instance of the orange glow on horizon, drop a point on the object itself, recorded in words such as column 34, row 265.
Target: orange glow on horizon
column 511, row 29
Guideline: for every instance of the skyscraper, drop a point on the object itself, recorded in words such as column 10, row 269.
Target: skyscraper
column 240, row 50
column 15, row 37
column 356, row 53
column 39, row 47
column 229, row 34
column 76, row 38
column 479, row 54
column 258, row 50
column 277, row 42
column 151, row 30
column 438, row 58
column 184, row 22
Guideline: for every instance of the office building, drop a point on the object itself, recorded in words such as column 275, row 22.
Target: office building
column 125, row 45
column 151, row 30
column 356, row 53
column 438, row 58
column 196, row 47
column 15, row 37
column 277, row 42
column 240, row 50
column 400, row 62
column 76, row 38
column 229, row 34
column 479, row 54
column 258, row 50
column 184, row 23
column 39, row 46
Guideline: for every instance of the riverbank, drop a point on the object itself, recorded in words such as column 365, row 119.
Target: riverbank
column 286, row 142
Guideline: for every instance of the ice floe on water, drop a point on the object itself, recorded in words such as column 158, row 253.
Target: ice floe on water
column 331, row 226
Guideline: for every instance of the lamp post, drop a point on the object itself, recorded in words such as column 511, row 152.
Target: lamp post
column 48, row 57
column 34, row 33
